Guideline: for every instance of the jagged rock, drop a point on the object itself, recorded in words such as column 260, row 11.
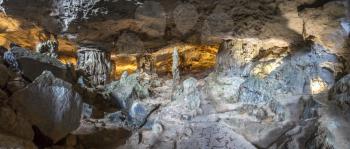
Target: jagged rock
column 213, row 135
column 145, row 63
column 236, row 54
column 339, row 94
column 262, row 135
column 139, row 112
column 334, row 128
column 10, row 60
column 94, row 64
column 87, row 110
column 49, row 47
column 27, row 60
column 68, row 11
column 15, row 124
column 4, row 75
column 223, row 88
column 191, row 94
column 126, row 90
column 7, row 141
column 51, row 104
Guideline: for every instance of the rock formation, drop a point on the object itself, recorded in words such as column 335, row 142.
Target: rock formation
column 176, row 75
column 51, row 104
column 254, row 74
column 49, row 47
column 94, row 65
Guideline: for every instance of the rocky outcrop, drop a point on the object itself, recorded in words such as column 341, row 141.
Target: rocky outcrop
column 51, row 104
column 339, row 94
column 125, row 91
column 27, row 60
column 49, row 47
column 94, row 65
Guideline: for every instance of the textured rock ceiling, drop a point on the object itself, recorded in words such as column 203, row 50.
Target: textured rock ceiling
column 128, row 28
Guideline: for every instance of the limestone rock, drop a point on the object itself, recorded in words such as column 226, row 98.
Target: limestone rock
column 49, row 47
column 94, row 64
column 139, row 112
column 51, row 104
column 27, row 60
column 126, row 90
column 213, row 135
column 340, row 92
column 191, row 94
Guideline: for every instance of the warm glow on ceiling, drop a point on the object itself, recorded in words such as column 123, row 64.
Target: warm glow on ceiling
column 193, row 58
column 28, row 35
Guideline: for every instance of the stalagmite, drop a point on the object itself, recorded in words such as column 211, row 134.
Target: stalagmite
column 176, row 90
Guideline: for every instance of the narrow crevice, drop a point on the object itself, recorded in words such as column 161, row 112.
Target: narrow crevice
column 40, row 140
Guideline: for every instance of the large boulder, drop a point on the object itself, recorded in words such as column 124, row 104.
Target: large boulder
column 126, row 90
column 32, row 65
column 51, row 104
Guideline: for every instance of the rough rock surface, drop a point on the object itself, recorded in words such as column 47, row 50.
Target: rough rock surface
column 51, row 104
column 27, row 60
column 279, row 80
column 94, row 65
column 339, row 94
column 126, row 90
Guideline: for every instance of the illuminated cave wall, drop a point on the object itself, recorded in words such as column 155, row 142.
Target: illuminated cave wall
column 193, row 58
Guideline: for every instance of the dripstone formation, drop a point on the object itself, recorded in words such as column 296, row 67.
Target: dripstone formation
column 134, row 74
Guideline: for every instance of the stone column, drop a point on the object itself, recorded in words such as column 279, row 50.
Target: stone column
column 145, row 63
column 94, row 64
column 176, row 89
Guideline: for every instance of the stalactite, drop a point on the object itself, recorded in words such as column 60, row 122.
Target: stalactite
column 94, row 64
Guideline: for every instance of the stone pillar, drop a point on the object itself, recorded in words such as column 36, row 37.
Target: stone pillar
column 176, row 89
column 94, row 64
column 145, row 63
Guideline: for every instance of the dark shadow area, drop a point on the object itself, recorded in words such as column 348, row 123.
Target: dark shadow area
column 40, row 140
column 316, row 4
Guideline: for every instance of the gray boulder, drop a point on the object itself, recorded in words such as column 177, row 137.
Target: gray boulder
column 51, row 104
column 33, row 65
column 126, row 90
